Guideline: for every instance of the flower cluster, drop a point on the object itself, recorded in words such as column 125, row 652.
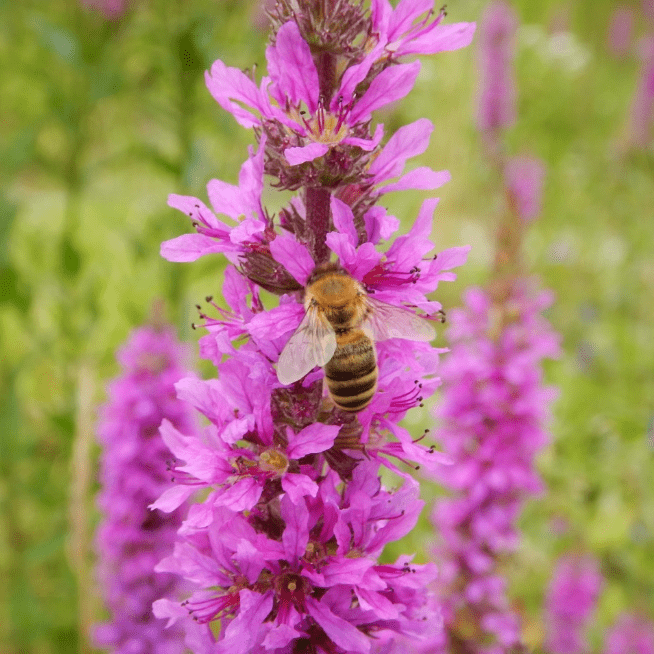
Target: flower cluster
column 570, row 602
column 283, row 550
column 494, row 404
column 131, row 538
column 493, row 408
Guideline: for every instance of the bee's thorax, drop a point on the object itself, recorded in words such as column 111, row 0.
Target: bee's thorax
column 340, row 297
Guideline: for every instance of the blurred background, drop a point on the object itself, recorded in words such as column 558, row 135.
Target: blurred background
column 104, row 113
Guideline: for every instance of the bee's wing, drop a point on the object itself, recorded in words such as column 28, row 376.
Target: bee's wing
column 388, row 321
column 313, row 344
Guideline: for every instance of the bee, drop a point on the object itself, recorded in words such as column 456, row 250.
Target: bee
column 338, row 332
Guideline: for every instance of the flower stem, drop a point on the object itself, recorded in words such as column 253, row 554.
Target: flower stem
column 318, row 204
column 318, row 198
column 326, row 66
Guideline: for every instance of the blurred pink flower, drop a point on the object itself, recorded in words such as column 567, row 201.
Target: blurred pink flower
column 496, row 51
column 621, row 30
column 493, row 411
column 131, row 538
column 570, row 602
column 112, row 9
column 631, row 634
column 523, row 179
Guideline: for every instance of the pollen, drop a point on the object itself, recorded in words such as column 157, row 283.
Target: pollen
column 273, row 460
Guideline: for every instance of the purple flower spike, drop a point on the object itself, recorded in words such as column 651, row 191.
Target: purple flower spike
column 131, row 538
column 570, row 602
column 493, row 410
column 282, row 553
column 524, row 182
column 496, row 52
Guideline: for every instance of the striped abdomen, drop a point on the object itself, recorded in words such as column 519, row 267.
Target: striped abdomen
column 351, row 373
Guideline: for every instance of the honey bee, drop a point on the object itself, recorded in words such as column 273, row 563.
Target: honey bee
column 338, row 332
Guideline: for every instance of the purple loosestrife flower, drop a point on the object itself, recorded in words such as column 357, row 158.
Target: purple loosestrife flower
column 570, row 602
column 283, row 549
column 132, row 539
column 496, row 51
column 492, row 410
column 631, row 634
column 494, row 405
column 298, row 589
column 523, row 178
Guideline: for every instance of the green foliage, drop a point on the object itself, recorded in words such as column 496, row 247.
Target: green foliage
column 103, row 119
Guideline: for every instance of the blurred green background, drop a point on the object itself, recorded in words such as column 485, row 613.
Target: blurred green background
column 102, row 119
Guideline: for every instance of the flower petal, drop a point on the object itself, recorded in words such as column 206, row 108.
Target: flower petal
column 291, row 68
column 293, row 256
column 390, row 85
column 343, row 633
column 226, row 84
column 190, row 247
column 343, row 220
column 298, row 486
column 300, row 155
column 409, row 141
column 241, row 634
column 311, row 440
column 423, row 178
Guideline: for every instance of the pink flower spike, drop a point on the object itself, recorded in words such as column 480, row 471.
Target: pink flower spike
column 524, row 182
column 496, row 109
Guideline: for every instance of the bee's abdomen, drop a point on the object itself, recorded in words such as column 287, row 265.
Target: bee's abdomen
column 352, row 372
